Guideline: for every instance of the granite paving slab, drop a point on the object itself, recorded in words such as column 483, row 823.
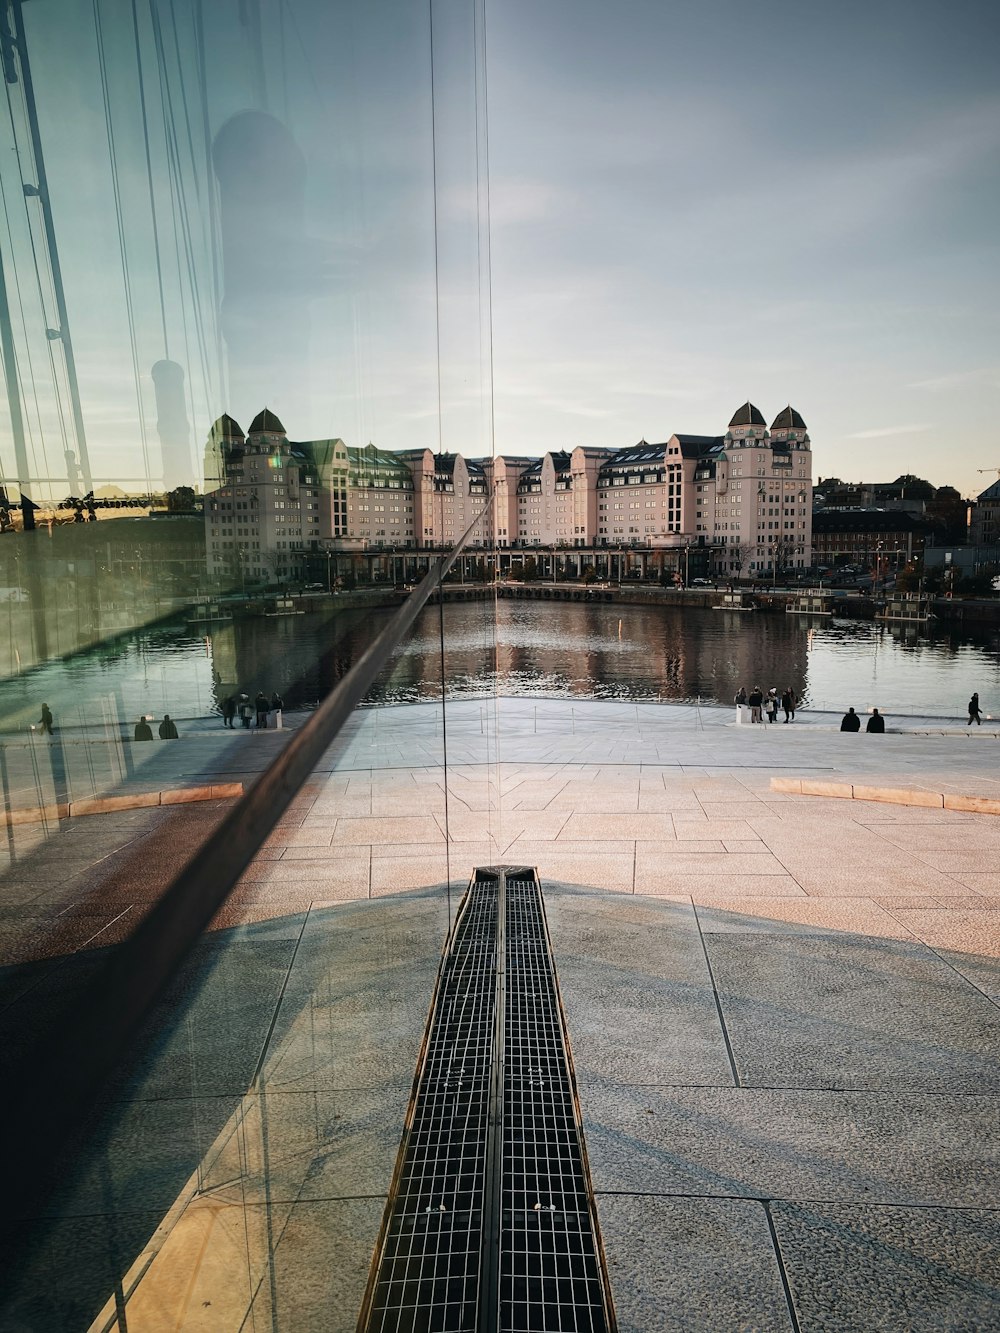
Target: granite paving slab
column 846, row 1011
column 891, row 1269
column 691, row 1265
column 637, row 992
column 879, row 1147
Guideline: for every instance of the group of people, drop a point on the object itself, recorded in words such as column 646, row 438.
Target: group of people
column 851, row 722
column 239, row 705
column 760, row 703
column 167, row 729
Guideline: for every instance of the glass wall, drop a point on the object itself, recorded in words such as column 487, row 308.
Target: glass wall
column 246, row 326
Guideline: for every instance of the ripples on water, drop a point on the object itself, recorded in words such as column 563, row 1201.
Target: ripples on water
column 541, row 649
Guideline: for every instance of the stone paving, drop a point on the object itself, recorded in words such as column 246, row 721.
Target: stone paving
column 784, row 1011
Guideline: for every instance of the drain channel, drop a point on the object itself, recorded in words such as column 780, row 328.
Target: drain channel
column 490, row 1223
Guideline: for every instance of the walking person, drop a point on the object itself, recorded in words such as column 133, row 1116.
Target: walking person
column 228, row 708
column 788, row 702
column 45, row 721
column 850, row 721
column 755, row 700
column 168, row 731
column 260, row 703
column 771, row 705
column 973, row 712
column 876, row 722
column 143, row 732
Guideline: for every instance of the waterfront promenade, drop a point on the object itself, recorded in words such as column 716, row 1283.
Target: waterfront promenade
column 784, row 1013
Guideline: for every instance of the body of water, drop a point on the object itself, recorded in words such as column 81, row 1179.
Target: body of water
column 563, row 650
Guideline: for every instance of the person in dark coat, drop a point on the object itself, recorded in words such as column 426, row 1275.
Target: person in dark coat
column 245, row 710
column 850, row 721
column 260, row 703
column 741, row 695
column 755, row 700
column 143, row 732
column 228, row 710
column 876, row 722
column 277, row 703
column 45, row 721
column 168, row 732
column 973, row 712
column 788, row 702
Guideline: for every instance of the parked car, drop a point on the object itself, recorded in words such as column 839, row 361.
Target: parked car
column 314, row 587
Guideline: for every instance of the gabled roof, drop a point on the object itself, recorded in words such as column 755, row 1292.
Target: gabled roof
column 748, row 415
column 266, row 423
column 991, row 492
column 694, row 446
column 227, row 428
column 638, row 453
column 788, row 419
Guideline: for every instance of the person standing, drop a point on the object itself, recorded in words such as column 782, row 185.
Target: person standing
column 772, row 705
column 143, row 732
column 45, row 721
column 973, row 712
column 850, row 721
column 228, row 710
column 788, row 702
column 260, row 703
column 245, row 710
column 876, row 722
column 755, row 700
column 741, row 695
column 168, row 731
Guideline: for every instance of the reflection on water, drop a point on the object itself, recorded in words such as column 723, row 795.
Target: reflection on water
column 561, row 650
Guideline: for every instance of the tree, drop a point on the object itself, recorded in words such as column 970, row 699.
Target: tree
column 181, row 499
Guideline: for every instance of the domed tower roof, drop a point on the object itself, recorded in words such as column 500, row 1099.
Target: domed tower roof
column 266, row 423
column 227, row 428
column 788, row 419
column 748, row 415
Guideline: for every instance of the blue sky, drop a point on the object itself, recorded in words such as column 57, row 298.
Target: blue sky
column 697, row 204
column 690, row 205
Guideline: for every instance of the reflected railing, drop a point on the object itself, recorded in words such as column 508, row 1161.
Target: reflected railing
column 81, row 1034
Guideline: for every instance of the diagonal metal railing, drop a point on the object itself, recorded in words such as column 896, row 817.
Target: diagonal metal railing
column 56, row 1081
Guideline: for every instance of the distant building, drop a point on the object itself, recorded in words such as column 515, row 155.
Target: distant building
column 862, row 537
column 744, row 499
column 984, row 529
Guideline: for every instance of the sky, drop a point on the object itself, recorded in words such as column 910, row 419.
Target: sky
column 697, row 204
column 686, row 206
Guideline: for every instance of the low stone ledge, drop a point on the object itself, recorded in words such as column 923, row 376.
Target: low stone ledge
column 38, row 814
column 812, row 787
column 931, row 800
column 900, row 796
column 106, row 805
column 980, row 805
column 182, row 795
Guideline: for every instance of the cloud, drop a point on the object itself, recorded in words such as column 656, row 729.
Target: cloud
column 960, row 379
column 885, row 431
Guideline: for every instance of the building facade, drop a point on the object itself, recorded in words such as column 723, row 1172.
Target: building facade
column 743, row 498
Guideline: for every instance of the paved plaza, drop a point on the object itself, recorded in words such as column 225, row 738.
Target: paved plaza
column 784, row 1013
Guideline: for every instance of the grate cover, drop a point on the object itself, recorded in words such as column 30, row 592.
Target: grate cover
column 490, row 1223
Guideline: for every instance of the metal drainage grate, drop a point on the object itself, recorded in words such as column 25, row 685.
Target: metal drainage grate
column 490, row 1223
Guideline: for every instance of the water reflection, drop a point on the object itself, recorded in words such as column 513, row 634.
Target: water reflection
column 588, row 651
